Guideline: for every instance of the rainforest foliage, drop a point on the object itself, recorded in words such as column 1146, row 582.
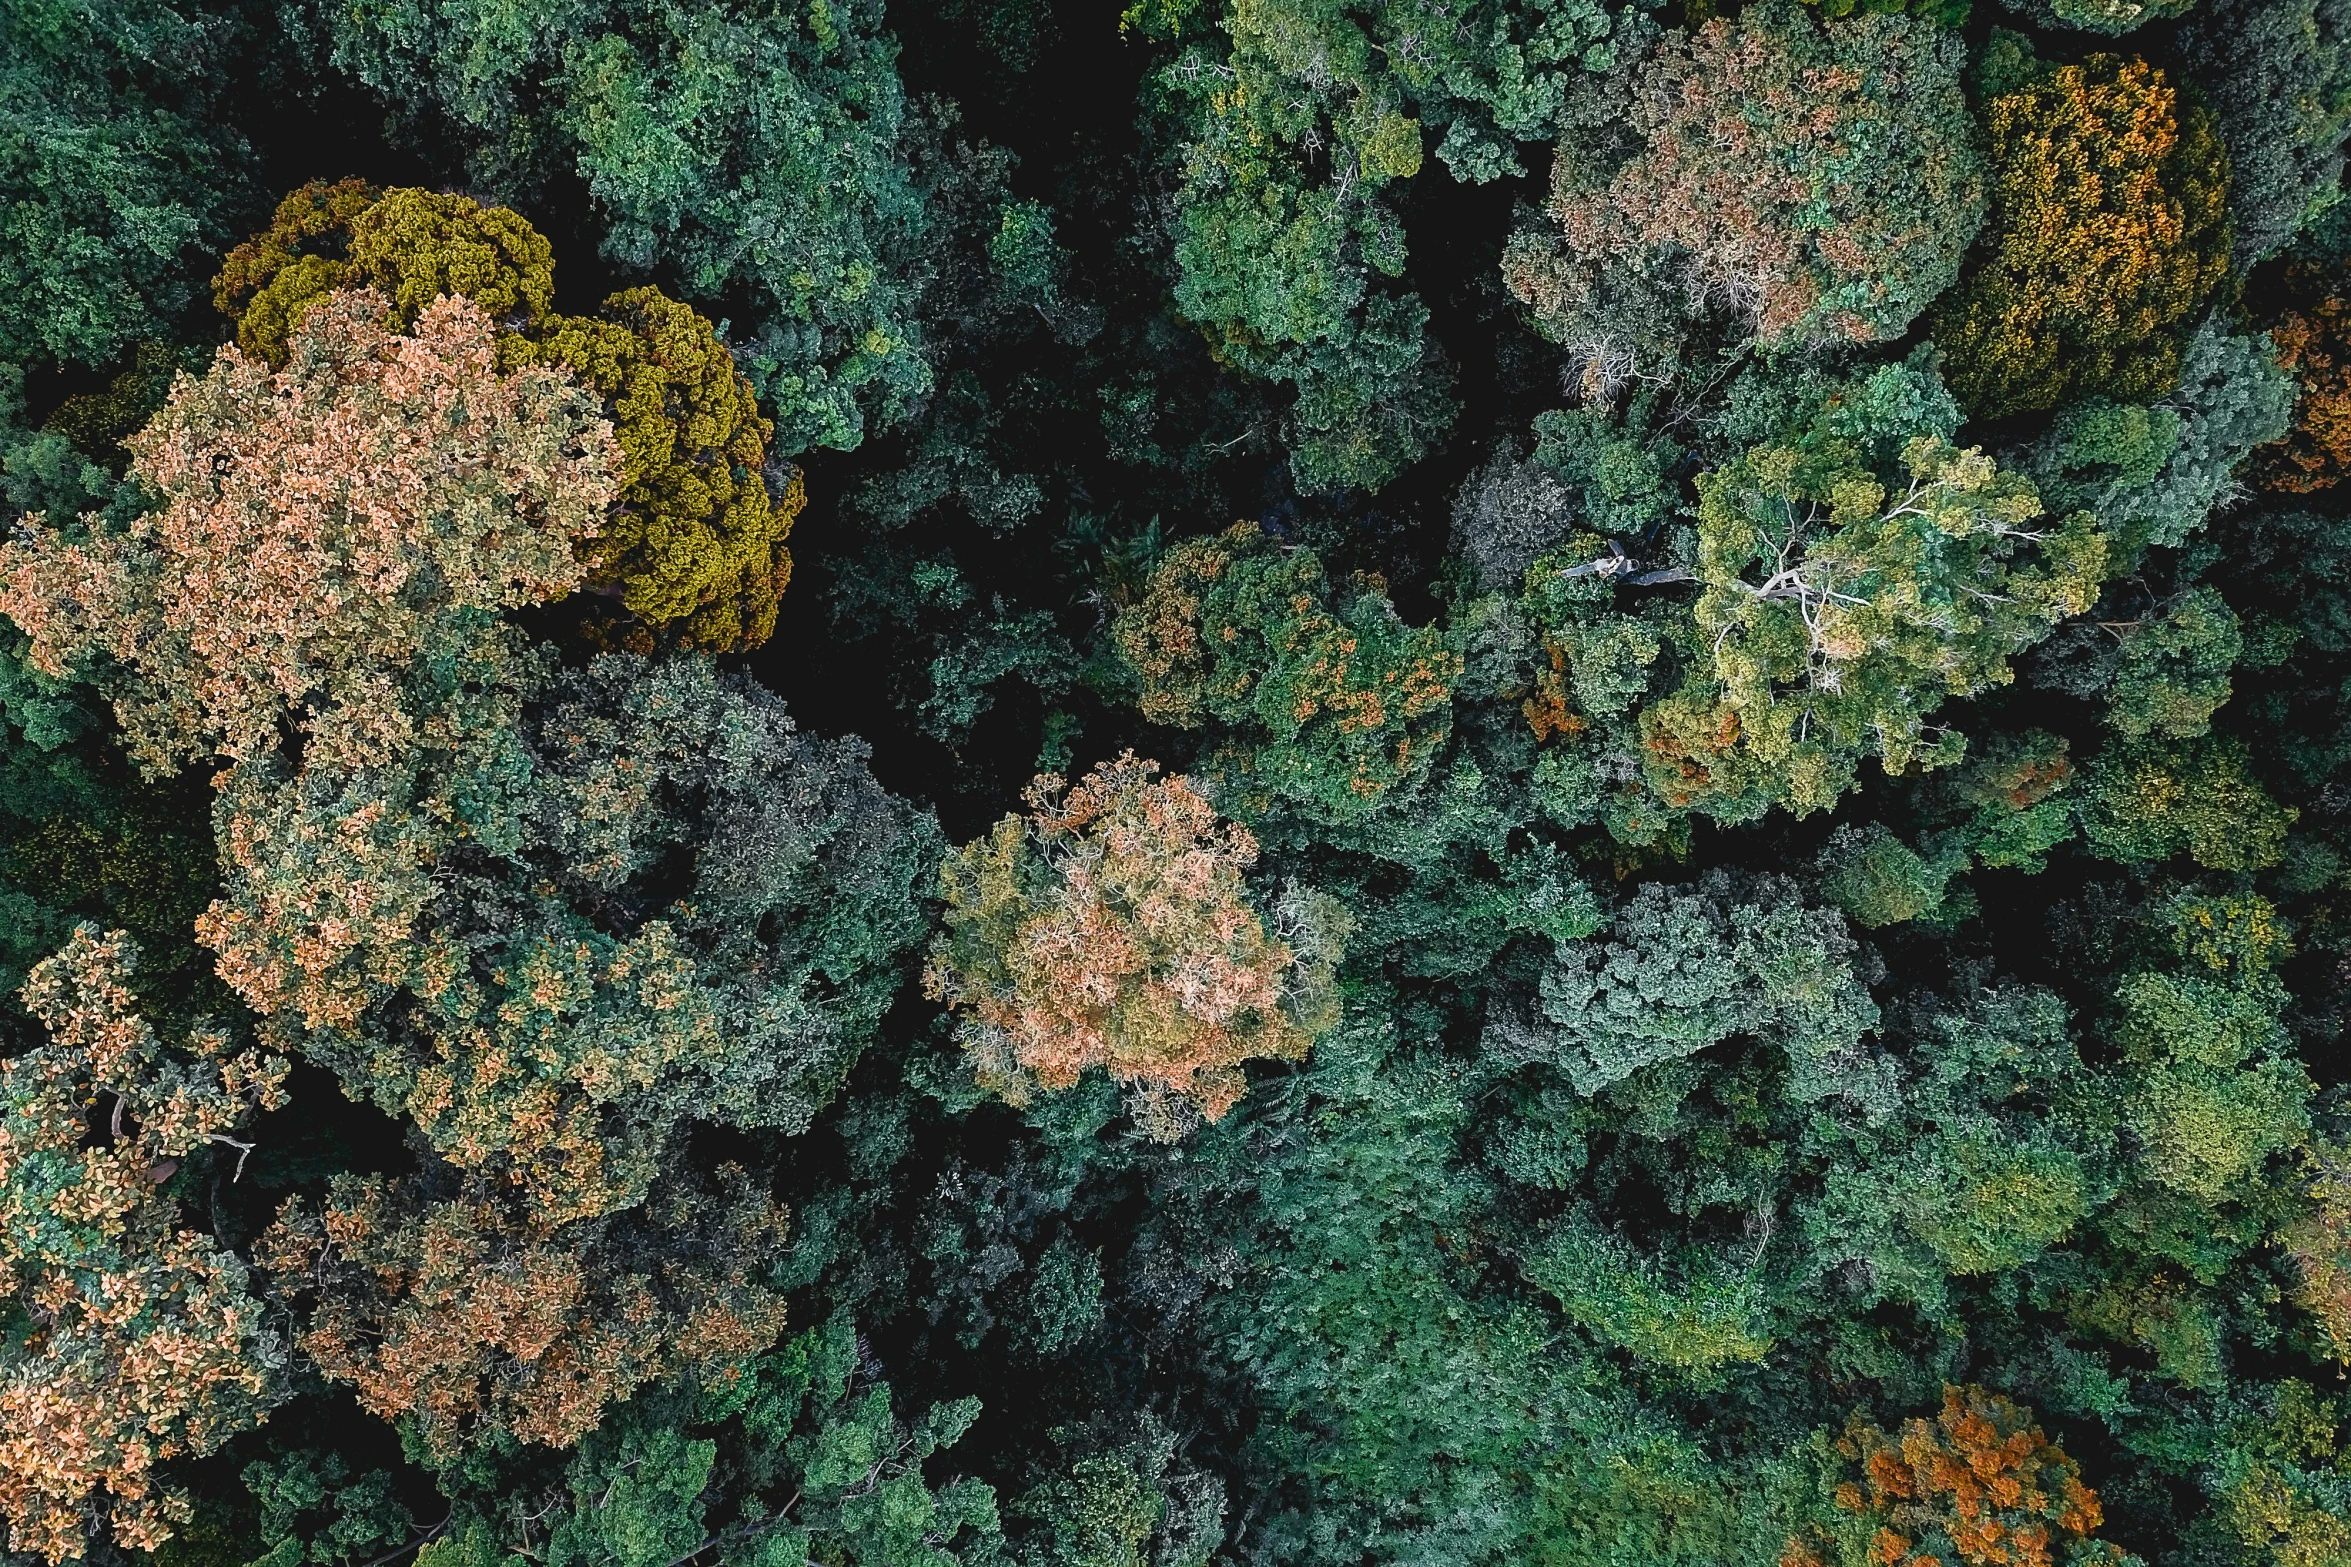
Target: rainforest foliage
column 1320, row 783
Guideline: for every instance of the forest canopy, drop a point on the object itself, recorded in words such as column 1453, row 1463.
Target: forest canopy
column 1250, row 783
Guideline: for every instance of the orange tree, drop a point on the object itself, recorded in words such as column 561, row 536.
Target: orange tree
column 1112, row 928
column 2313, row 337
column 1980, row 1485
column 2108, row 232
column 1822, row 177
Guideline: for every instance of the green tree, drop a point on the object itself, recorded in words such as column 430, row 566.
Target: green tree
column 1296, row 136
column 2279, row 81
column 750, row 149
column 1336, row 705
column 1846, row 592
column 1821, row 178
column 119, row 169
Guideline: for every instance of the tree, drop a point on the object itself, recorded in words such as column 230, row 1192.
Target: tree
column 698, row 541
column 1820, row 178
column 118, row 169
column 2213, row 1087
column 418, row 813
column 752, row 150
column 2279, row 81
column 2154, row 474
column 351, row 512
column 694, row 550
column 650, row 902
column 1112, row 928
column 2313, row 338
column 1980, row 1485
column 2173, row 672
column 2098, row 16
column 1337, row 705
column 2152, row 801
column 136, row 1339
column 1844, row 596
column 468, row 1319
column 1295, row 138
column 2108, row 232
column 1684, row 970
column 411, row 246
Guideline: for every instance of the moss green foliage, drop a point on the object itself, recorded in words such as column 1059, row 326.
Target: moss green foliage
column 121, row 169
column 698, row 541
column 411, row 246
column 1714, row 934
column 1303, row 121
column 741, row 148
column 1340, row 704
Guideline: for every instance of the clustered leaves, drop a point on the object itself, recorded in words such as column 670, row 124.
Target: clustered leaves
column 1343, row 705
column 1978, row 1485
column 1740, row 871
column 1818, row 179
column 1112, row 928
column 2108, row 231
column 694, row 550
column 137, row 1338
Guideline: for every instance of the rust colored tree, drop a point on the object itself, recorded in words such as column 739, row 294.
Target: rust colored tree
column 1980, row 1485
column 1111, row 927
column 468, row 1315
column 1821, row 177
column 137, row 1339
column 2313, row 337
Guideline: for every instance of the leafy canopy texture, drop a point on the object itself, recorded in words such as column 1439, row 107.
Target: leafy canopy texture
column 697, row 544
column 473, row 1323
column 1304, row 121
column 351, row 513
column 755, row 149
column 2313, row 338
column 694, row 550
column 1819, row 179
column 1338, row 704
column 2108, row 232
column 411, row 246
column 1851, row 580
column 1735, row 952
column 1111, row 927
column 120, row 169
column 1978, row 1485
column 140, row 1339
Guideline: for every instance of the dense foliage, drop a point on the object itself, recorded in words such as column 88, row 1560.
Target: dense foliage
column 1335, row 783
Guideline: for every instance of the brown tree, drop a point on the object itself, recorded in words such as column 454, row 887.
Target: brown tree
column 140, row 1340
column 1111, row 927
column 321, row 524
